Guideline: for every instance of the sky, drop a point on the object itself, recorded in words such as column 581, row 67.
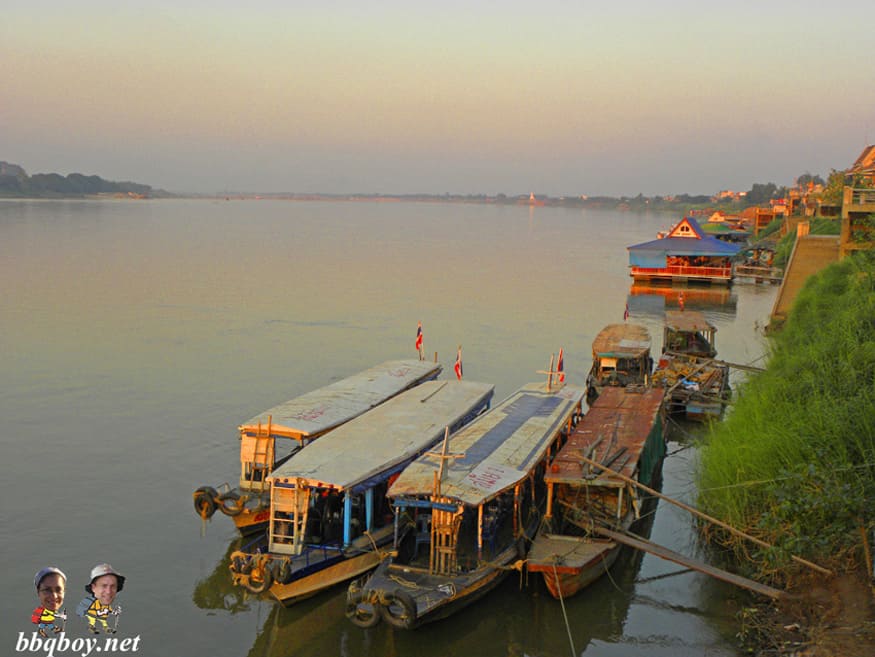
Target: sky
column 553, row 97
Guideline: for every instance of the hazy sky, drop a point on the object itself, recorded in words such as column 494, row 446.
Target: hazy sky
column 555, row 97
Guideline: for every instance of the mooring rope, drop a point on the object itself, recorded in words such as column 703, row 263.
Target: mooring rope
column 564, row 613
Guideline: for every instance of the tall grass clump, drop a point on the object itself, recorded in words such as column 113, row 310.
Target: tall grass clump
column 794, row 463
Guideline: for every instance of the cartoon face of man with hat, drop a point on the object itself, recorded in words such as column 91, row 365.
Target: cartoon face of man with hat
column 106, row 583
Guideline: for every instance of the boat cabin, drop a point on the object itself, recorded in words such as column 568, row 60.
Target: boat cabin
column 620, row 357
column 688, row 332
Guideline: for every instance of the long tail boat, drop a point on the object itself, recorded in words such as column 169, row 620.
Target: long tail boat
column 301, row 421
column 329, row 518
column 624, row 431
column 476, row 505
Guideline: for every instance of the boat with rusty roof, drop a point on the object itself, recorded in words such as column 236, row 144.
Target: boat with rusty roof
column 623, row 430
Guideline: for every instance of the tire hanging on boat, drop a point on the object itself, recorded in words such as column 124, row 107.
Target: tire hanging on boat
column 235, row 508
column 260, row 577
column 205, row 501
column 282, row 571
column 361, row 611
column 399, row 610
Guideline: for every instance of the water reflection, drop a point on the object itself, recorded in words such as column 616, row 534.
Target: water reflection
column 653, row 300
column 217, row 592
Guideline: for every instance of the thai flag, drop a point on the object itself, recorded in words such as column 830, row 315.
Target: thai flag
column 419, row 337
column 458, row 365
column 626, row 312
column 560, row 367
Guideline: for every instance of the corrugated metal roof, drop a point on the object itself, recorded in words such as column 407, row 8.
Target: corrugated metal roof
column 499, row 448
column 623, row 340
column 318, row 411
column 682, row 246
column 391, row 434
column 687, row 320
column 699, row 244
column 619, row 418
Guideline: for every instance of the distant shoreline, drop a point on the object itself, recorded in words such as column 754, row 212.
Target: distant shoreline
column 622, row 204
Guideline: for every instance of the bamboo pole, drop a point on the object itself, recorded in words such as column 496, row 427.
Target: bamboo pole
column 704, row 516
column 716, row 361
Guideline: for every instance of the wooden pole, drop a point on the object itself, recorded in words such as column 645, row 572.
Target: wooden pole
column 696, row 512
column 737, row 366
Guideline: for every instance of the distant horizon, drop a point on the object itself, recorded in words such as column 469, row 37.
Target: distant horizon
column 558, row 98
column 255, row 192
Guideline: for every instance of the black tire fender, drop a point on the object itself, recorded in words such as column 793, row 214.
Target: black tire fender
column 260, row 578
column 205, row 501
column 235, row 508
column 399, row 610
column 361, row 611
column 282, row 571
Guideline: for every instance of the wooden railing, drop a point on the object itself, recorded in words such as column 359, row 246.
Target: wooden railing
column 722, row 273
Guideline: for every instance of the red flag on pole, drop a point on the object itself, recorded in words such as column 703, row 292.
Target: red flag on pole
column 419, row 338
column 458, row 365
column 560, row 367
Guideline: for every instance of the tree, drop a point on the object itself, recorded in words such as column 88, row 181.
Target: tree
column 760, row 193
column 805, row 178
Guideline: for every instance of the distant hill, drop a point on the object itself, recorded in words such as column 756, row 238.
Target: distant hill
column 14, row 182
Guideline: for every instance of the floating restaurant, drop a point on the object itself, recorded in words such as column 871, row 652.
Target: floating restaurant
column 686, row 253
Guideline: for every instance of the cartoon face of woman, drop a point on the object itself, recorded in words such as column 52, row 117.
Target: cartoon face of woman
column 51, row 591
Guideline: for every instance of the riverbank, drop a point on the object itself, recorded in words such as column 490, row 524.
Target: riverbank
column 794, row 464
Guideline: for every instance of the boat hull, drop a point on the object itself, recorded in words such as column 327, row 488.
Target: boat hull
column 407, row 598
column 342, row 571
column 567, row 581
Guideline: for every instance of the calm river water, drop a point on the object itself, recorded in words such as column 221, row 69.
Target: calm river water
column 136, row 336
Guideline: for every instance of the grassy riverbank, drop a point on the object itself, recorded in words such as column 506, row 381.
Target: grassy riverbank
column 794, row 462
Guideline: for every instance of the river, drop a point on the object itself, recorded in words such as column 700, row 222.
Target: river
column 137, row 335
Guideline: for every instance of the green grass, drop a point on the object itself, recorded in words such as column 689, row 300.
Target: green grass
column 794, row 463
column 819, row 226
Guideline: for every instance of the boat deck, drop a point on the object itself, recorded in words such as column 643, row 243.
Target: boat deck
column 614, row 429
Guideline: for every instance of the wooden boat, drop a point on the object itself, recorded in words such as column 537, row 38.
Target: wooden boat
column 688, row 332
column 301, row 420
column 623, row 430
column 475, row 505
column 685, row 253
column 695, row 384
column 328, row 511
column 620, row 357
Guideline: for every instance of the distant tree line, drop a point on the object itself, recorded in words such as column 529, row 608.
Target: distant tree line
column 15, row 182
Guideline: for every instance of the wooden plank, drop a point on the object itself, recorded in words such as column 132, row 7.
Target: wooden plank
column 670, row 555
